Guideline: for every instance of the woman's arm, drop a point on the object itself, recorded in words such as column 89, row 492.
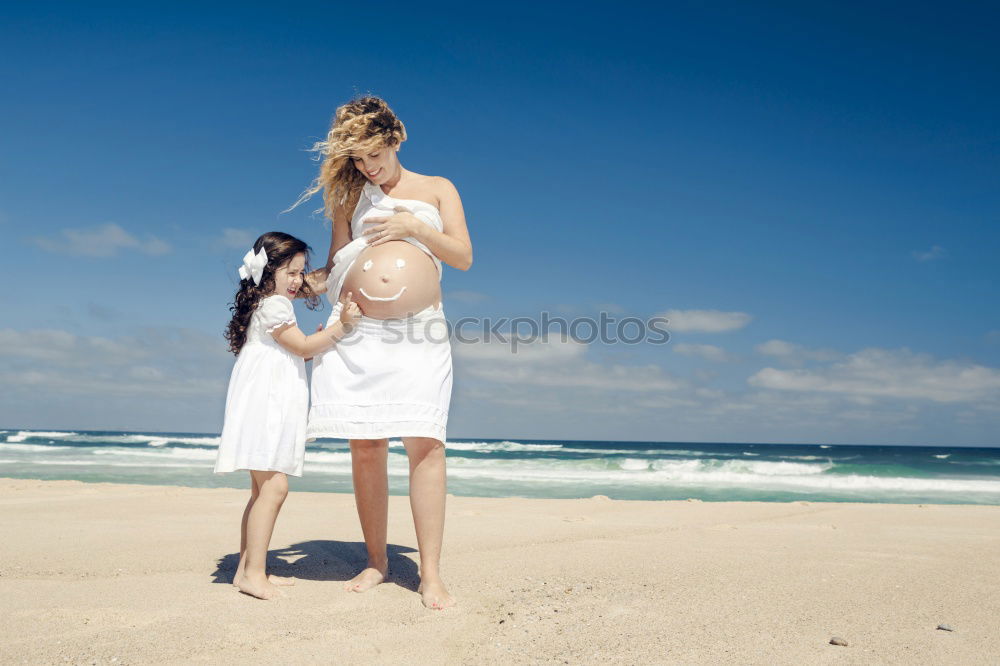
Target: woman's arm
column 452, row 245
column 339, row 237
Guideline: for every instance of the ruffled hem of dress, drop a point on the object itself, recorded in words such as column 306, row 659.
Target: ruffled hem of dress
column 333, row 429
column 228, row 469
column 344, row 421
column 274, row 327
column 380, row 412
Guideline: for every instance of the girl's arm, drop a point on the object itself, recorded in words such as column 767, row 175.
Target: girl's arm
column 340, row 236
column 294, row 340
column 452, row 246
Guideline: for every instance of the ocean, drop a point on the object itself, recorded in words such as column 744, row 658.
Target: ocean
column 547, row 469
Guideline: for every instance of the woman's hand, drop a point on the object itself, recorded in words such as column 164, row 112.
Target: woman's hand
column 350, row 313
column 316, row 281
column 403, row 224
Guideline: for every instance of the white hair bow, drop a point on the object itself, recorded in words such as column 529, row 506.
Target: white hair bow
column 253, row 265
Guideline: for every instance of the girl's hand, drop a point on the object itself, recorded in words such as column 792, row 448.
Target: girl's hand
column 350, row 313
column 396, row 227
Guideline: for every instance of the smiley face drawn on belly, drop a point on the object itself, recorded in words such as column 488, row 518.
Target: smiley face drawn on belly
column 393, row 279
column 367, row 266
column 394, row 297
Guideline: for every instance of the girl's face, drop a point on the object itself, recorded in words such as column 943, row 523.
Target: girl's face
column 288, row 277
column 378, row 166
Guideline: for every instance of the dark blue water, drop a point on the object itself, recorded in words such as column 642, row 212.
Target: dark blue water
column 548, row 468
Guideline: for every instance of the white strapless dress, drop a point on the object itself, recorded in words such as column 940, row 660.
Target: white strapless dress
column 387, row 378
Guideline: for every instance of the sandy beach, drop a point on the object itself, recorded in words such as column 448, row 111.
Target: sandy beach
column 126, row 574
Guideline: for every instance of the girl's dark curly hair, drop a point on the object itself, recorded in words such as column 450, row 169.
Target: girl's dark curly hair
column 280, row 248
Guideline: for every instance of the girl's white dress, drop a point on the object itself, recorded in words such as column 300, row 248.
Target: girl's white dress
column 268, row 399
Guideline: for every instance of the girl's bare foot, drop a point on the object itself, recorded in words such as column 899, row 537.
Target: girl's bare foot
column 280, row 581
column 259, row 586
column 239, row 573
column 367, row 579
column 434, row 595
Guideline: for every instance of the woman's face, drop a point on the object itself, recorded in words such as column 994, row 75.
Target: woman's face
column 377, row 166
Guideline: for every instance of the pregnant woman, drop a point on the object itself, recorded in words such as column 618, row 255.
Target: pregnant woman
column 391, row 377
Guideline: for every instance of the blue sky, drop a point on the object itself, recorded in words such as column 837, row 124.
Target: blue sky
column 809, row 192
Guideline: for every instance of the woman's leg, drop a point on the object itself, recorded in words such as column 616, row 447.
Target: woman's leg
column 254, row 491
column 428, row 487
column 371, row 494
column 260, row 525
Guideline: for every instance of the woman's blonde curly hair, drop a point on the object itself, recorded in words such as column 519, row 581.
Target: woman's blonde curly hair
column 363, row 125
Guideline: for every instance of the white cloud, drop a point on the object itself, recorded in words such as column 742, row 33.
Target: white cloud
column 705, row 321
column 101, row 241
column 175, row 379
column 777, row 348
column 795, row 354
column 883, row 373
column 544, row 350
column 559, row 390
column 898, row 417
column 707, row 352
column 935, row 252
column 158, row 364
column 555, row 388
column 238, row 239
column 102, row 312
column 466, row 296
column 66, row 349
column 551, row 362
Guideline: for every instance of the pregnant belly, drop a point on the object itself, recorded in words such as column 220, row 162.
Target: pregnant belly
column 393, row 280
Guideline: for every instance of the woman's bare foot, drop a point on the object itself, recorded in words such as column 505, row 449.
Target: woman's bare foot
column 259, row 586
column 434, row 595
column 367, row 579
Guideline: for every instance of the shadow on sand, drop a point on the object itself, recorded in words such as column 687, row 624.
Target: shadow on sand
column 326, row 560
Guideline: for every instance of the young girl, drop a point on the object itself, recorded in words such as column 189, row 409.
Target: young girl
column 267, row 402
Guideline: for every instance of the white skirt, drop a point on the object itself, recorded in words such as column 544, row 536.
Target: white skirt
column 387, row 378
column 266, row 407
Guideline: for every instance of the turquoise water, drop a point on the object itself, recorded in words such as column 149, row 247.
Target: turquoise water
column 530, row 468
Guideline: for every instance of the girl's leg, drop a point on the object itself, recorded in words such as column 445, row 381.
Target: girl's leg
column 428, row 487
column 371, row 494
column 254, row 491
column 260, row 525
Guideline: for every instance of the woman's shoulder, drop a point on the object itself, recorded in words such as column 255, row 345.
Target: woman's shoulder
column 438, row 186
column 423, row 180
